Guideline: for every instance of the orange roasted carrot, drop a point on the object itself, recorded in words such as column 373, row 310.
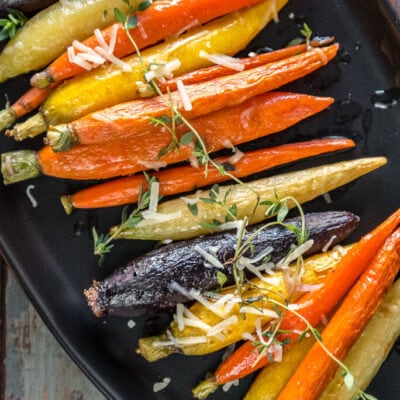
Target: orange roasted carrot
column 28, row 102
column 205, row 74
column 317, row 367
column 186, row 178
column 162, row 19
column 134, row 118
column 313, row 306
column 260, row 116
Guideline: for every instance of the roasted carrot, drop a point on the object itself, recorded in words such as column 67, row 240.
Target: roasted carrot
column 205, row 74
column 378, row 338
column 186, row 178
column 28, row 102
column 21, row 131
column 106, row 87
column 47, row 34
column 304, row 185
column 260, row 116
column 135, row 117
column 154, row 24
column 348, row 322
column 313, row 306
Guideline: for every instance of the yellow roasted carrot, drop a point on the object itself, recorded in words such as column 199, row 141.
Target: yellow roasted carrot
column 51, row 31
column 371, row 349
column 303, row 185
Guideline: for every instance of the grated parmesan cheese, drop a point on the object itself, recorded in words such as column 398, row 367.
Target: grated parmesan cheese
column 150, row 216
column 228, row 385
column 179, row 316
column 209, row 257
column 160, row 71
column 154, row 196
column 327, row 198
column 30, row 195
column 237, row 156
column 248, row 336
column 265, row 312
column 232, row 320
column 223, row 60
column 299, row 306
column 193, row 199
column 328, row 243
column 88, row 58
column 296, row 253
column 156, row 165
column 158, row 386
column 187, row 105
column 131, row 324
column 230, row 225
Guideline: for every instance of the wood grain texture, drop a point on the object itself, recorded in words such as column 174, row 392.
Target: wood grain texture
column 34, row 366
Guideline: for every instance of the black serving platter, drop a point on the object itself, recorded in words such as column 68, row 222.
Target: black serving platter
column 51, row 253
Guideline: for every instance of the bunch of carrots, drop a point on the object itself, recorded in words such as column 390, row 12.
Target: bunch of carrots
column 189, row 111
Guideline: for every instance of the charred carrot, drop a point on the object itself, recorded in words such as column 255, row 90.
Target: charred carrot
column 186, row 178
column 313, row 306
column 134, row 118
column 154, row 24
column 205, row 74
column 260, row 116
column 28, row 102
column 359, row 306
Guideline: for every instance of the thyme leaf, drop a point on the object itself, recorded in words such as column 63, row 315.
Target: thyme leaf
column 12, row 24
column 103, row 243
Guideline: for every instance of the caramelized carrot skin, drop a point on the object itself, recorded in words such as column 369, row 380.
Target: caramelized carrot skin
column 134, row 118
column 243, row 361
column 162, row 19
column 317, row 368
column 205, row 74
column 184, row 179
column 260, row 116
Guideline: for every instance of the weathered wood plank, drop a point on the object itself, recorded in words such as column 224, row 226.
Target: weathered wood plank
column 35, row 365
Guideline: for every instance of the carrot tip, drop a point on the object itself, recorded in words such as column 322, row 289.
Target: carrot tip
column 66, row 202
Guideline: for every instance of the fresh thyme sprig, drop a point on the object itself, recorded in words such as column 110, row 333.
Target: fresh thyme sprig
column 102, row 244
column 215, row 197
column 306, row 34
column 12, row 24
column 347, row 375
column 130, row 21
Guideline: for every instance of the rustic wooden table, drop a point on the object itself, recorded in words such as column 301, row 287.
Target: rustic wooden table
column 33, row 366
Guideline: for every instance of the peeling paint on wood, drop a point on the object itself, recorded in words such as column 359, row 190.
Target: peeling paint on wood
column 35, row 365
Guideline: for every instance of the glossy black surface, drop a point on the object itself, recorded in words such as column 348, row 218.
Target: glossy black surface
column 51, row 252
